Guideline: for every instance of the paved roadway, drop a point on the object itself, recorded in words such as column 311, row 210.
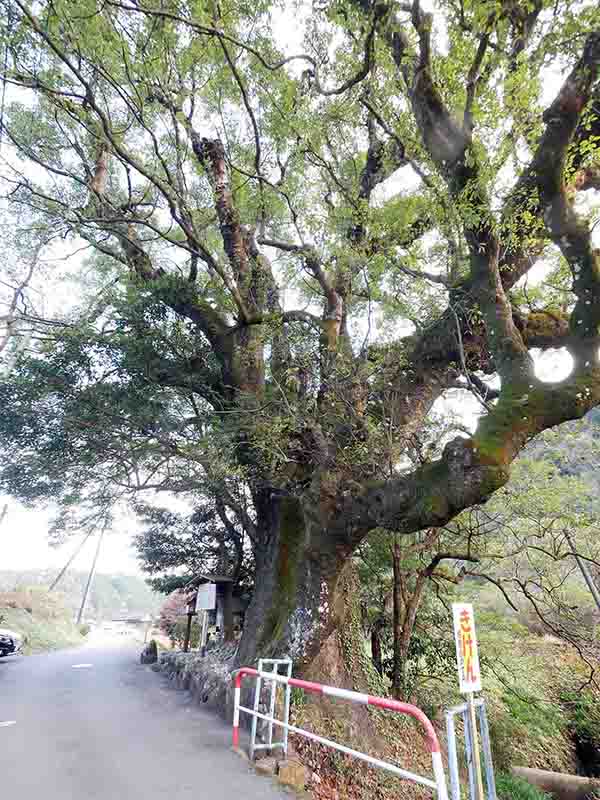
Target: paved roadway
column 113, row 731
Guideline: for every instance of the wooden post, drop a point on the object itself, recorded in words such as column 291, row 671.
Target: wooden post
column 228, row 612
column 188, row 632
column 203, row 633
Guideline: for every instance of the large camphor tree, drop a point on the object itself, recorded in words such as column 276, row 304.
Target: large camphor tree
column 337, row 227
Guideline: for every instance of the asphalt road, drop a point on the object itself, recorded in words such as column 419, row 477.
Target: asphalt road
column 114, row 731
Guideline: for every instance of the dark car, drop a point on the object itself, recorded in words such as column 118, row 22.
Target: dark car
column 10, row 642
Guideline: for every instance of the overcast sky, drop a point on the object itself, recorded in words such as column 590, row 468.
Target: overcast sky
column 24, row 544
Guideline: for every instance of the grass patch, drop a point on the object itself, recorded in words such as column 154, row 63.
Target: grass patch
column 509, row 787
column 538, row 717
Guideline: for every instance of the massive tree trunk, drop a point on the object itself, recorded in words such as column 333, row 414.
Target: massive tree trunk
column 306, row 602
column 298, row 596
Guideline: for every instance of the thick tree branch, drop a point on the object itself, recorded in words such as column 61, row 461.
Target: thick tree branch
column 571, row 234
column 439, row 557
column 469, row 471
column 445, row 140
column 473, row 79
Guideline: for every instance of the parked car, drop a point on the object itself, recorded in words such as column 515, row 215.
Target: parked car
column 10, row 642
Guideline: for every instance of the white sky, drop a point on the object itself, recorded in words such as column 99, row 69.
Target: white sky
column 24, row 544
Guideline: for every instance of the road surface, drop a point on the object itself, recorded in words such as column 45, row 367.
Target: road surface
column 112, row 730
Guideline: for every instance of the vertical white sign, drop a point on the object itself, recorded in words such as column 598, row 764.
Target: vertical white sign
column 467, row 654
column 206, row 598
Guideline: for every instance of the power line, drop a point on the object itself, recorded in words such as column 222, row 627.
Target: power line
column 78, row 550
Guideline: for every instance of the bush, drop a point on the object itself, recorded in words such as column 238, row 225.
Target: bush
column 85, row 629
column 542, row 718
column 509, row 787
column 584, row 727
column 177, row 633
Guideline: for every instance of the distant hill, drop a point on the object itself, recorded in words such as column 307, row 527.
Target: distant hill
column 573, row 447
column 112, row 596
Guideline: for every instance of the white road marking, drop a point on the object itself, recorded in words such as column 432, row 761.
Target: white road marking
column 8, row 723
column 81, row 666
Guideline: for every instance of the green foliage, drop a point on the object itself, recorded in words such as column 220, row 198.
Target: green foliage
column 177, row 632
column 583, row 712
column 539, row 717
column 40, row 618
column 174, row 367
column 174, row 547
column 431, row 653
column 510, row 787
column 85, row 629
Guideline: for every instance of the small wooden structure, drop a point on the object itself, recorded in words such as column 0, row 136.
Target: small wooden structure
column 223, row 608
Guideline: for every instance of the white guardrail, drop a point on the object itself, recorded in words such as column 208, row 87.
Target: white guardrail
column 438, row 783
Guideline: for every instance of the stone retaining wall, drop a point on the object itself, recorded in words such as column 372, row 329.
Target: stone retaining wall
column 208, row 679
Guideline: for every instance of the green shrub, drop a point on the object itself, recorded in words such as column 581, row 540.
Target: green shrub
column 584, row 727
column 509, row 787
column 584, row 714
column 503, row 732
column 538, row 717
column 178, row 631
column 85, row 629
column 41, row 618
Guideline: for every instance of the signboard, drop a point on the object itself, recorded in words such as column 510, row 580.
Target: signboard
column 206, row 599
column 467, row 656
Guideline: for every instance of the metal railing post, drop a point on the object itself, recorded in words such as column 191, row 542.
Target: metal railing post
column 452, row 756
column 486, row 750
column 257, row 689
column 275, row 671
column 236, row 709
column 469, row 752
column 490, row 778
column 286, row 709
column 439, row 775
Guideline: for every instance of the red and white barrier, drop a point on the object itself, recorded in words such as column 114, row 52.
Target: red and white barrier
column 439, row 778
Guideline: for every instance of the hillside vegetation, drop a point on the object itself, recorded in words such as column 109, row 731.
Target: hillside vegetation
column 43, row 619
column 111, row 596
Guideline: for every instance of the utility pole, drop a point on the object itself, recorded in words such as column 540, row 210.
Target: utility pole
column 90, row 576
column 584, row 571
column 78, row 550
